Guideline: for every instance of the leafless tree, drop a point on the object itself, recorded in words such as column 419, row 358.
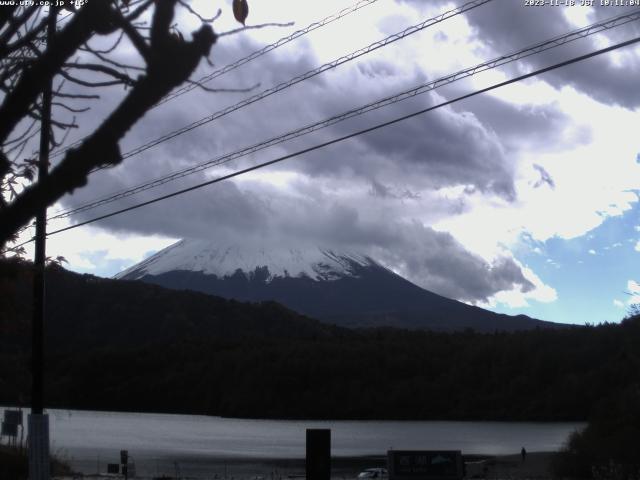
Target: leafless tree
column 73, row 62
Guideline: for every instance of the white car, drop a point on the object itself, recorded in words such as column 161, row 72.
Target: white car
column 377, row 473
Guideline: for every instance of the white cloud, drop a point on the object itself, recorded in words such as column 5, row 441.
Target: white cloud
column 618, row 303
column 589, row 153
column 633, row 288
column 592, row 251
column 516, row 298
column 78, row 246
column 594, row 180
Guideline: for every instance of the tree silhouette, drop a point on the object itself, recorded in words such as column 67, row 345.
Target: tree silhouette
column 28, row 63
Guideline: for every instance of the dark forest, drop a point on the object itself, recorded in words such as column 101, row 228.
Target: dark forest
column 114, row 345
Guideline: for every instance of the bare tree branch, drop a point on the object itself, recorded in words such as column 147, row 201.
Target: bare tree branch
column 88, row 83
column 108, row 49
column 70, row 109
column 15, row 24
column 7, row 48
column 93, row 17
column 6, row 13
column 224, row 90
column 197, row 15
column 171, row 62
column 110, row 61
column 134, row 36
column 255, row 27
column 77, row 96
column 94, row 67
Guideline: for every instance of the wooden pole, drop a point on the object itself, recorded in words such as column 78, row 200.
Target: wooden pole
column 38, row 423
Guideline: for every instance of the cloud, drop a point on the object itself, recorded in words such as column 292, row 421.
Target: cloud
column 537, row 122
column 343, row 215
column 633, row 289
column 519, row 298
column 508, row 26
column 99, row 250
column 371, row 193
column 439, row 198
column 436, row 261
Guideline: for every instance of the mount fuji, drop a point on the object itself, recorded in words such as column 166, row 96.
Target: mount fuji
column 347, row 289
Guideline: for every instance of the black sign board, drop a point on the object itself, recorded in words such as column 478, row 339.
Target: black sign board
column 425, row 465
column 9, row 429
column 318, row 464
column 113, row 468
column 13, row 416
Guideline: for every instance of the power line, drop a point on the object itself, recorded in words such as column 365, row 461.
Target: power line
column 352, row 135
column 502, row 60
column 232, row 66
column 15, row 248
column 305, row 76
column 252, row 56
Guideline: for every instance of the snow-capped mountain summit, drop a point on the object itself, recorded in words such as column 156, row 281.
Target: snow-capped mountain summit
column 347, row 289
column 225, row 261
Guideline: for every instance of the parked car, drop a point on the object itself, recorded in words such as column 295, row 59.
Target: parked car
column 377, row 473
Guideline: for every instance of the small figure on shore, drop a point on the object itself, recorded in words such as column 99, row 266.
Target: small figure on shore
column 523, row 454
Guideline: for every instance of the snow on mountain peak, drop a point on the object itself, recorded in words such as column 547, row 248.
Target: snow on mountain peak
column 212, row 259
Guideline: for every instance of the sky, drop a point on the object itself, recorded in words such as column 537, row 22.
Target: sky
column 523, row 200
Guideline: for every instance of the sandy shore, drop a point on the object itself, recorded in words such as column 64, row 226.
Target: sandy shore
column 536, row 465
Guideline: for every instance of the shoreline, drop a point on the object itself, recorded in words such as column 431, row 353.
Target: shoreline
column 536, row 465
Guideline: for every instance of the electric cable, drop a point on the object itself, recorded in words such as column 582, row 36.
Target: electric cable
column 349, row 136
column 252, row 56
column 258, row 53
column 426, row 87
column 300, row 78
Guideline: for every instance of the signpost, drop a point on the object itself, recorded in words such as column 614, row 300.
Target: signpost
column 12, row 420
column 13, row 416
column 425, row 465
column 124, row 461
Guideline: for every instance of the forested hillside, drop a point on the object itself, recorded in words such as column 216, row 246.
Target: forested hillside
column 131, row 346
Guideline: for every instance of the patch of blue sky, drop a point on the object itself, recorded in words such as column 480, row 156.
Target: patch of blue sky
column 590, row 273
column 98, row 263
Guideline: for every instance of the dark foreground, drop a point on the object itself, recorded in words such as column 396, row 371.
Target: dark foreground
column 536, row 465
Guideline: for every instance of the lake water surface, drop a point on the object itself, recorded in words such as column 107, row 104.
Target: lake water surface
column 90, row 439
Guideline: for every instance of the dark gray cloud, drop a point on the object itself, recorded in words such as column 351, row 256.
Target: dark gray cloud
column 438, row 261
column 256, row 214
column 542, row 128
column 506, row 26
column 376, row 193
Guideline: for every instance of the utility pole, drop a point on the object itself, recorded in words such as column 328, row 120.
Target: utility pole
column 39, row 462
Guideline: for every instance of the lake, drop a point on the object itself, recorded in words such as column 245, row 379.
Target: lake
column 197, row 445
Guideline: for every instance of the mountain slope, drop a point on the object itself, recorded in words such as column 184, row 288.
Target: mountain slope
column 346, row 289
